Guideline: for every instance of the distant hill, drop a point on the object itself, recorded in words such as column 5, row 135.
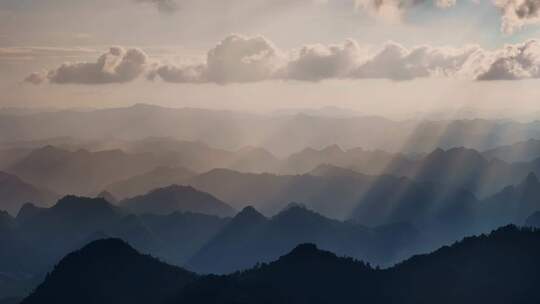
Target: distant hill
column 391, row 200
column 279, row 134
column 37, row 238
column 14, row 192
column 464, row 168
column 177, row 198
column 270, row 193
column 513, row 204
column 110, row 271
column 524, row 151
column 250, row 238
column 474, row 270
column 337, row 193
column 156, row 178
column 364, row 161
column 198, row 156
column 81, row 172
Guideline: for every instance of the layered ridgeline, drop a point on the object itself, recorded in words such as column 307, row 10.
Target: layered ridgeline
column 251, row 237
column 38, row 237
column 281, row 134
column 407, row 218
column 331, row 178
column 134, row 168
column 501, row 267
column 15, row 192
column 81, row 172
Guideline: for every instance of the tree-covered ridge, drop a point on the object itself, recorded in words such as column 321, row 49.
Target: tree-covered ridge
column 501, row 267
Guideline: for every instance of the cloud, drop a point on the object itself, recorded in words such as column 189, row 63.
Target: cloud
column 242, row 59
column 518, row 13
column 515, row 14
column 235, row 59
column 393, row 10
column 164, row 6
column 36, row 78
column 117, row 65
column 396, row 62
column 521, row 61
column 316, row 62
column 236, row 62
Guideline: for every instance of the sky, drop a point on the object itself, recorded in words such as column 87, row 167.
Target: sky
column 381, row 57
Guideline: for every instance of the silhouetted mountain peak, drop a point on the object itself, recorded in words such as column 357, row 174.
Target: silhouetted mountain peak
column 300, row 216
column 107, row 247
column 307, row 252
column 295, row 210
column 249, row 215
column 76, row 204
column 305, row 249
column 178, row 198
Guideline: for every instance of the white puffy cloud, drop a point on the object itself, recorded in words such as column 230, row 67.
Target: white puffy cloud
column 396, row 62
column 115, row 66
column 518, row 13
column 316, row 62
column 229, row 62
column 241, row 59
column 520, row 61
column 237, row 58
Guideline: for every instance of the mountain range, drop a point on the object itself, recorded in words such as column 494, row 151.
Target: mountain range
column 80, row 172
column 159, row 162
column 14, row 192
column 280, row 134
column 177, row 198
column 497, row 268
column 38, row 237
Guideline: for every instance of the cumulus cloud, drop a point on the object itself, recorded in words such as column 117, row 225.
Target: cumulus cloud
column 229, row 62
column 396, row 62
column 520, row 61
column 518, row 13
column 235, row 59
column 117, row 65
column 241, row 59
column 316, row 62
